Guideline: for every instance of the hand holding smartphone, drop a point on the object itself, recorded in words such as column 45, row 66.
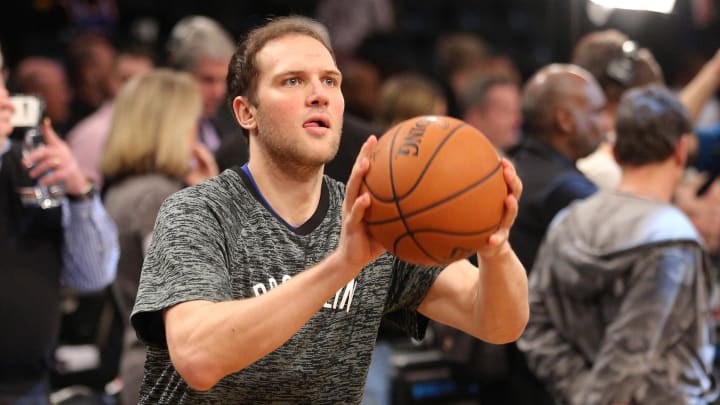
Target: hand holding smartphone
column 28, row 115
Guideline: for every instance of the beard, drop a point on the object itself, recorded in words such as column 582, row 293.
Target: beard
column 289, row 153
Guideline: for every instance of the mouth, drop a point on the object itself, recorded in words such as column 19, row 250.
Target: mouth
column 317, row 121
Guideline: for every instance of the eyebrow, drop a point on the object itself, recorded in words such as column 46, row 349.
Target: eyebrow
column 330, row 72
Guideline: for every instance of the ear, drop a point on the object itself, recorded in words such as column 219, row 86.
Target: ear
column 244, row 113
column 680, row 155
column 564, row 120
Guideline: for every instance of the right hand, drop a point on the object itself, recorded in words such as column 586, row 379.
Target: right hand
column 356, row 246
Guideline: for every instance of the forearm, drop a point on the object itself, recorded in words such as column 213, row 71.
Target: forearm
column 501, row 303
column 696, row 93
column 208, row 341
column 90, row 249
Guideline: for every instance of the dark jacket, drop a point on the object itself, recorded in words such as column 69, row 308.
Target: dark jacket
column 550, row 183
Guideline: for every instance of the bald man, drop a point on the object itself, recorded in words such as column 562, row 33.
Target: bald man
column 564, row 119
column 563, row 110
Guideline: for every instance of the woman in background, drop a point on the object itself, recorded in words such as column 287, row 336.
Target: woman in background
column 151, row 153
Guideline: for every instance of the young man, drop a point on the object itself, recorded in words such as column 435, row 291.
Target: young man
column 621, row 288
column 263, row 285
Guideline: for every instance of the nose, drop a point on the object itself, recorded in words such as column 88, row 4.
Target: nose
column 318, row 94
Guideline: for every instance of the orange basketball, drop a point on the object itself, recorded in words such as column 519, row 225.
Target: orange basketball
column 437, row 190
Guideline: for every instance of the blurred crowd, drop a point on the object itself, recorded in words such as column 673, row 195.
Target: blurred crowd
column 135, row 118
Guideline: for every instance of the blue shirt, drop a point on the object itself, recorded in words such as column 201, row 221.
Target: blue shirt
column 90, row 247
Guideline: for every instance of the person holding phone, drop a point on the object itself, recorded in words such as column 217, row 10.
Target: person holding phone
column 74, row 244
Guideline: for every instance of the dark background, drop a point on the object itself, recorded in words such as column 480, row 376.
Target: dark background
column 531, row 32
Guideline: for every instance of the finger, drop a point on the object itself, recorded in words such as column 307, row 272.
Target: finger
column 357, row 213
column 511, row 179
column 362, row 164
column 55, row 177
column 44, row 166
column 511, row 211
column 49, row 134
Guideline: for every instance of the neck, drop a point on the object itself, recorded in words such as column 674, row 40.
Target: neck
column 555, row 140
column 293, row 194
column 654, row 182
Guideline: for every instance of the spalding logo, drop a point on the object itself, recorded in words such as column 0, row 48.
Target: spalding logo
column 411, row 142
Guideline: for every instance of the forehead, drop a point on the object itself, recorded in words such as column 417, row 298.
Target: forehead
column 293, row 53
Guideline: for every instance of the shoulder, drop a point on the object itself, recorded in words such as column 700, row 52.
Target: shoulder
column 335, row 187
column 218, row 195
column 142, row 188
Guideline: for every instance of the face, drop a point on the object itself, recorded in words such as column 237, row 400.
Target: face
column 210, row 75
column 500, row 119
column 127, row 67
column 6, row 111
column 298, row 116
column 590, row 118
column 57, row 93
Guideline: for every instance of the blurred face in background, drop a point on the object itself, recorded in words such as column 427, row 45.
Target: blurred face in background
column 6, row 110
column 591, row 120
column 126, row 67
column 210, row 75
column 500, row 118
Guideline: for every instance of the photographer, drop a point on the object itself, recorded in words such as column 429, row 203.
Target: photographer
column 43, row 246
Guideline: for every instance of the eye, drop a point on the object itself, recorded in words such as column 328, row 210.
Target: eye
column 292, row 82
column 330, row 82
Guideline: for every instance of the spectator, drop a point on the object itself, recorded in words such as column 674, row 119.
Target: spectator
column 621, row 289
column 73, row 244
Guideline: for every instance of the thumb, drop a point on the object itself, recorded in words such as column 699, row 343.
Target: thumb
column 49, row 134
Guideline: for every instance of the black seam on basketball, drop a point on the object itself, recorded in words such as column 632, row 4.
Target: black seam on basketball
column 429, row 161
column 436, row 203
column 464, row 233
column 419, row 246
column 367, row 186
column 425, row 252
column 417, row 181
column 392, row 185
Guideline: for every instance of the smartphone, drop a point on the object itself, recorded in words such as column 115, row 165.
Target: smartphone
column 29, row 111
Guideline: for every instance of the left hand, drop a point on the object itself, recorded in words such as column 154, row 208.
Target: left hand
column 498, row 241
column 56, row 156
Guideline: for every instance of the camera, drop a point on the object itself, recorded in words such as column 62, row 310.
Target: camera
column 29, row 111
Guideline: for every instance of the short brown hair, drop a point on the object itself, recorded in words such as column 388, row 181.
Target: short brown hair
column 243, row 72
column 650, row 121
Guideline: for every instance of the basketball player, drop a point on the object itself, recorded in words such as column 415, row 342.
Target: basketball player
column 263, row 285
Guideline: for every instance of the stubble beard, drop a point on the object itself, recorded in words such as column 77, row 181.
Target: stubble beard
column 287, row 155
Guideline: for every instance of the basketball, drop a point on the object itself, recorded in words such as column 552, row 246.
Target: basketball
column 437, row 190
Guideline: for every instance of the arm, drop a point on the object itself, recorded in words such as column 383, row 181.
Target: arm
column 489, row 302
column 636, row 340
column 90, row 249
column 701, row 87
column 208, row 341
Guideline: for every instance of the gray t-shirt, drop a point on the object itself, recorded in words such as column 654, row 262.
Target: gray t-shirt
column 217, row 241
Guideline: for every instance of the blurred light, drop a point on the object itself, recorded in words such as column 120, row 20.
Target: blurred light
column 658, row 6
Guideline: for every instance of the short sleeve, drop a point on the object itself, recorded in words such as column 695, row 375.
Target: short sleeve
column 187, row 260
column 408, row 287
